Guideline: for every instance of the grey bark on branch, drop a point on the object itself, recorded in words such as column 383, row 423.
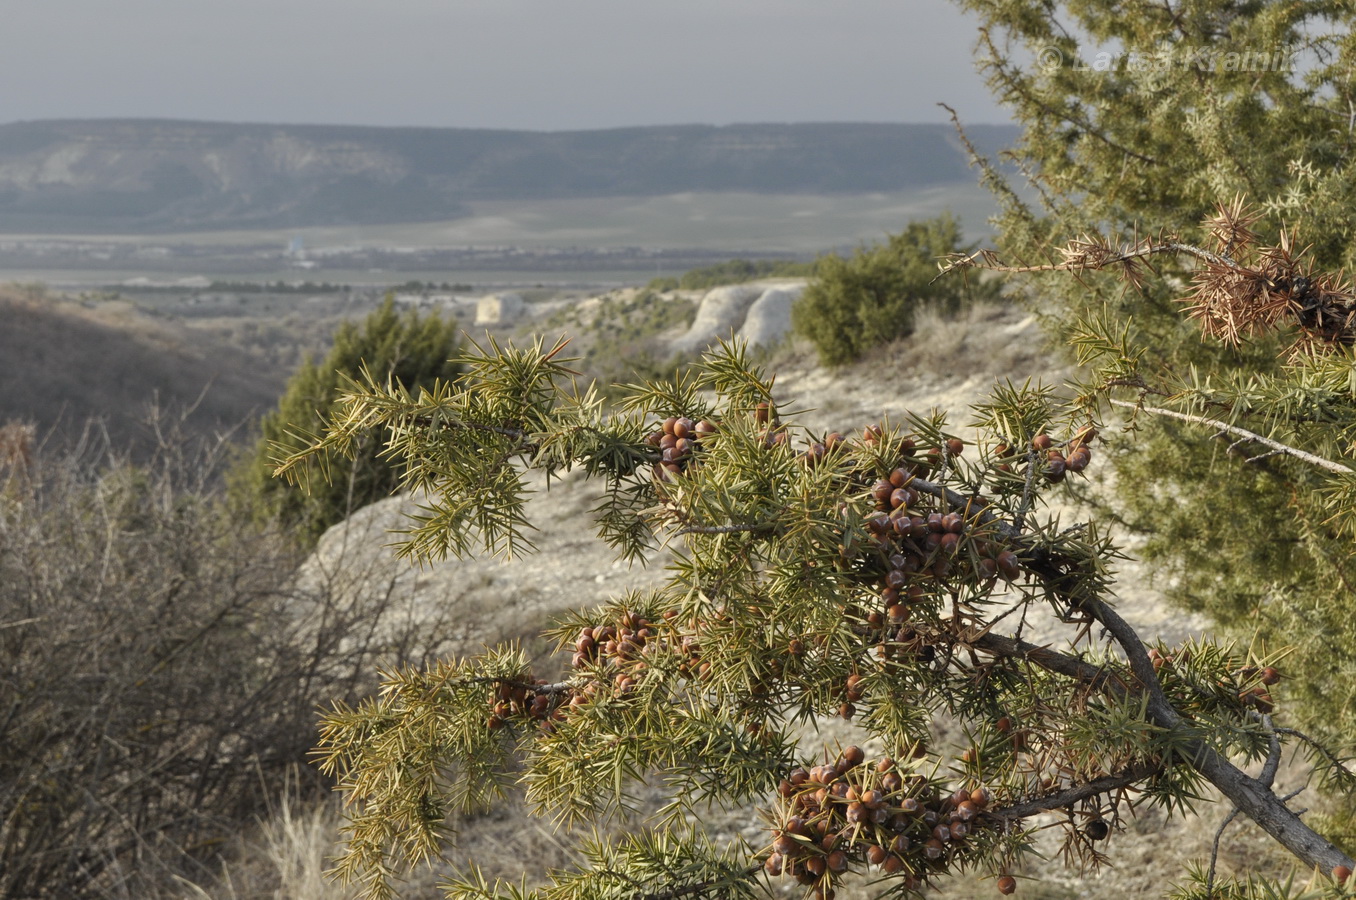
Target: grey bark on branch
column 1241, row 433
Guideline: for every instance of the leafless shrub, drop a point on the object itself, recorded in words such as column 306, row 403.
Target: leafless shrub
column 160, row 671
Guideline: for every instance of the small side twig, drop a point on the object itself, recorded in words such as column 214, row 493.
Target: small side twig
column 1331, row 757
column 1027, row 489
column 1268, row 775
column 559, row 687
column 1245, row 434
column 986, row 259
column 1214, row 853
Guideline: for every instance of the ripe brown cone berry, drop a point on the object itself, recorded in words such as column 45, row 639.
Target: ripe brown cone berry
column 1007, row 884
column 1055, row 467
column 1341, row 873
column 1079, row 459
column 881, row 491
column 1008, row 566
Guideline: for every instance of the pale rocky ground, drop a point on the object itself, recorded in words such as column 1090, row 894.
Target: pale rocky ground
column 947, row 364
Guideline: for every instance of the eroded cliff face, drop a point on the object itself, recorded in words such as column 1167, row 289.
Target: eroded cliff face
column 158, row 174
column 155, row 175
column 127, row 155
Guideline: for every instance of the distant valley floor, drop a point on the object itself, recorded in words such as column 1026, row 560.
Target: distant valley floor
column 569, row 241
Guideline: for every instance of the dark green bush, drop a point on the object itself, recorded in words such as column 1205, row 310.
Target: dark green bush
column 412, row 349
column 870, row 298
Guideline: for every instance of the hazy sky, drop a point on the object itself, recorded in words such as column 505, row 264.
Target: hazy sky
column 539, row 64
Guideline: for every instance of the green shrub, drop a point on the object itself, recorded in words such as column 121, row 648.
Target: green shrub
column 414, row 350
column 662, row 284
column 854, row 304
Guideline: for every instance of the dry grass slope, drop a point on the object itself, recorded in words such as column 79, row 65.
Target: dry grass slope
column 63, row 364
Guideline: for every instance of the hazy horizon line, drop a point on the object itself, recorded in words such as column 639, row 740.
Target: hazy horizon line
column 330, row 124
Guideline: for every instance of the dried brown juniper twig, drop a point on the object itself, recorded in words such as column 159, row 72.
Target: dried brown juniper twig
column 1241, row 287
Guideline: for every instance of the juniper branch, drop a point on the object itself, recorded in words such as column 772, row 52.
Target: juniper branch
column 673, row 893
column 1327, row 754
column 1257, row 801
column 1253, row 797
column 725, row 529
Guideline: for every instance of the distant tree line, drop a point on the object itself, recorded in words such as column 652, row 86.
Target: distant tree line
column 735, row 271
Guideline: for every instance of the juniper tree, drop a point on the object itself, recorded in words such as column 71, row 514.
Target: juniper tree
column 889, row 575
column 1138, row 120
column 1291, row 426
